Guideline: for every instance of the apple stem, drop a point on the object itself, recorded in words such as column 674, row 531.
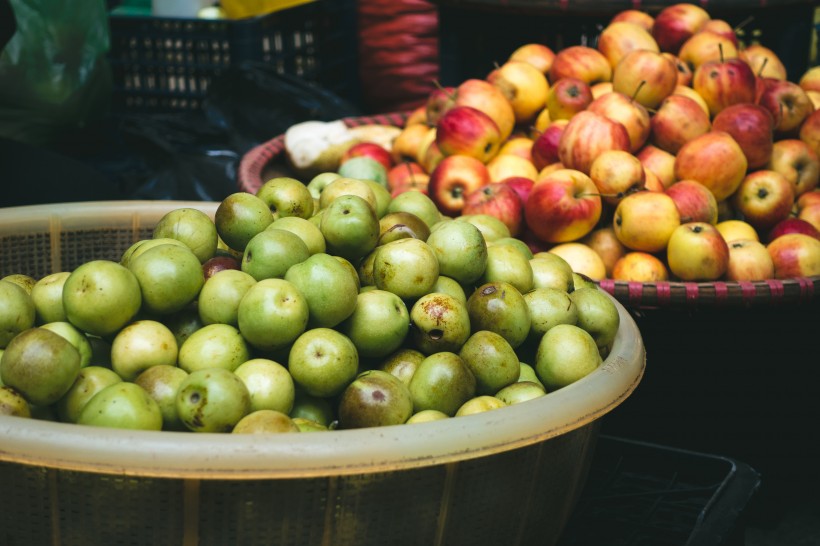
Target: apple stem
column 443, row 89
column 744, row 22
column 720, row 48
column 638, row 90
column 762, row 66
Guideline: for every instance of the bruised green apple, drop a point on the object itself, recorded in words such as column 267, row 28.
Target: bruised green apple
column 239, row 217
column 286, row 197
column 323, row 361
column 192, row 227
column 427, row 416
column 17, row 312
column 265, row 421
column 448, row 285
column 218, row 300
column 442, row 382
column 47, row 294
column 597, row 315
column 309, row 232
column 101, row 296
column 402, row 225
column 162, row 382
column 549, row 307
column 375, row 398
column 407, row 267
column 402, row 363
column 122, row 405
column 492, row 360
column 479, row 404
column 26, row 282
column 440, row 322
column 212, row 400
column 272, row 314
column 378, row 324
column 39, row 364
column 329, row 287
column 170, row 277
column 12, row 403
column 350, row 227
column 566, row 353
column 141, row 345
column 500, row 307
column 90, row 380
column 75, row 337
column 213, row 346
column 271, row 252
column 269, row 384
column 461, row 251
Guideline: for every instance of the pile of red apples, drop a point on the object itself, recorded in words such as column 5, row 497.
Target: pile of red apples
column 668, row 151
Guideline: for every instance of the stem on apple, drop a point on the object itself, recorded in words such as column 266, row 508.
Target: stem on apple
column 720, row 48
column 744, row 22
column 637, row 90
column 443, row 89
column 762, row 66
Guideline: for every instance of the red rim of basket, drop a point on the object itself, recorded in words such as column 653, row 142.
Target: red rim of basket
column 633, row 295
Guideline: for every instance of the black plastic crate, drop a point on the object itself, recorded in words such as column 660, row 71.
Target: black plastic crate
column 475, row 35
column 643, row 494
column 166, row 64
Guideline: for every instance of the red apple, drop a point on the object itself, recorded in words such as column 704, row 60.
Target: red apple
column 484, row 96
column 764, row 62
column 415, row 185
column 810, row 131
column 582, row 62
column 659, row 162
column 520, row 145
column 646, row 76
column 792, row 225
column 795, row 160
column 637, row 266
column 404, row 172
column 628, row 112
column 723, row 28
column 795, row 255
column 678, row 120
column 695, row 202
column 371, row 150
column 499, row 200
column 764, row 198
column 749, row 261
column 645, row 220
column 786, row 101
column 566, row 97
column 684, row 70
column 438, row 102
column 752, row 127
column 218, row 263
column 697, row 252
column 621, row 37
column 703, row 47
column 545, row 148
column 521, row 185
column 616, row 174
column 636, row 16
column 723, row 83
column 586, row 136
column 811, row 197
column 563, row 207
column 453, row 179
column 676, row 23
column 538, row 55
column 811, row 214
column 715, row 160
column 464, row 130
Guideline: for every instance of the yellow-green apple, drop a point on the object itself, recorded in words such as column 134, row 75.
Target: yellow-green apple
column 538, row 55
column 407, row 143
column 704, row 47
column 520, row 185
column 646, row 76
column 439, row 100
column 652, row 182
column 520, row 145
column 687, row 91
column 715, row 160
column 545, row 147
column 678, row 120
column 763, row 198
column 586, row 136
column 600, row 88
column 430, row 155
column 563, row 207
column 620, row 37
column 764, row 62
column 659, row 162
column 505, row 166
column 628, row 112
column 684, row 71
column 810, row 214
column 795, row 160
column 617, row 173
column 752, row 127
column 542, row 121
column 581, row 258
column 732, row 230
column 725, row 82
column 566, row 97
column 695, row 202
column 810, row 79
column 674, row 25
column 636, row 16
column 499, row 200
column 454, row 178
column 722, row 27
column 583, row 62
column 524, row 86
column 404, row 172
column 810, row 131
column 697, row 252
column 465, row 130
column 484, row 96
column 372, row 150
column 417, row 115
column 786, row 101
column 603, row 241
column 645, row 221
column 792, row 224
column 749, row 261
column 795, row 255
column 814, row 97
column 636, row 266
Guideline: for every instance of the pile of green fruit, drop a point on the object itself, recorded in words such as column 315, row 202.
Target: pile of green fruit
column 303, row 307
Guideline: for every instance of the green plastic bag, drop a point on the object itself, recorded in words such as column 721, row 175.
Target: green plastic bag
column 54, row 73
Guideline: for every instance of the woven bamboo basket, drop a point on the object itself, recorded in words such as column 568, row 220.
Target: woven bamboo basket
column 510, row 476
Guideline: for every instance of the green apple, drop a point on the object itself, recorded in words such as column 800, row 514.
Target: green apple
column 518, row 244
column 192, row 227
column 323, row 361
column 491, row 227
column 520, row 391
column 402, row 225
column 549, row 307
column 350, row 227
column 182, row 323
column 271, row 252
column 479, row 404
column 579, row 280
column 418, row 203
column 375, row 398
column 378, row 324
column 75, row 337
column 122, row 405
column 499, row 307
column 17, row 312
column 528, row 374
column 440, row 322
column 40, row 365
column 506, row 263
column 265, row 421
column 364, row 168
column 407, row 267
column 162, row 383
column 365, row 270
column 26, row 282
column 492, row 360
column 348, row 186
column 272, row 314
column 307, row 425
column 12, row 403
column 312, row 408
column 239, row 217
column 597, row 315
column 286, row 197
column 213, row 346
column 566, row 353
column 212, row 400
column 317, row 185
column 309, row 232
column 141, row 345
column 47, row 294
column 427, row 416
column 402, row 363
column 329, row 287
column 146, row 244
column 218, row 300
column 90, row 380
column 170, row 277
column 269, row 384
column 448, row 285
column 383, row 197
column 461, row 251
column 442, row 382
column 551, row 271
